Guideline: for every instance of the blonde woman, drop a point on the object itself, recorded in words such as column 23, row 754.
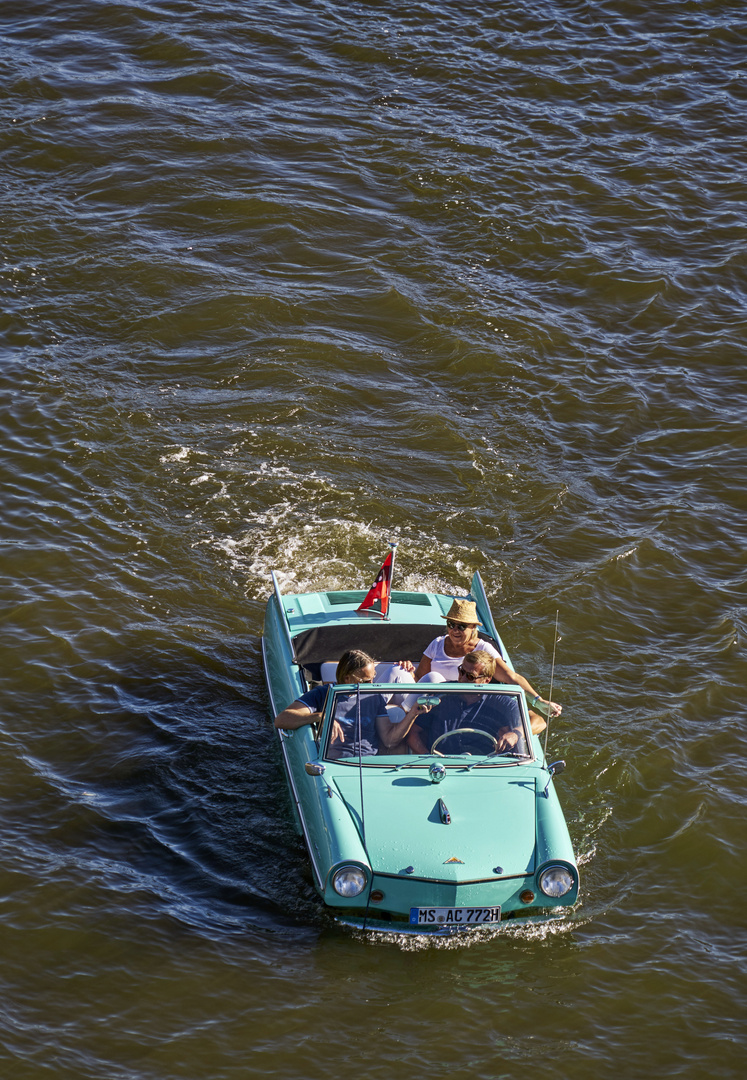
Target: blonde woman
column 444, row 655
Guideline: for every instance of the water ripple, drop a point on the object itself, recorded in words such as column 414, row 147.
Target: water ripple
column 280, row 286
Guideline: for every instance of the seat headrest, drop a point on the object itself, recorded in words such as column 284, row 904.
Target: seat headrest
column 384, row 670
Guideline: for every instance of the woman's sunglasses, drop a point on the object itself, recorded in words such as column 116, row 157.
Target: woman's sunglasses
column 458, row 625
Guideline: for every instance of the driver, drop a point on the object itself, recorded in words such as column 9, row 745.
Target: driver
column 464, row 711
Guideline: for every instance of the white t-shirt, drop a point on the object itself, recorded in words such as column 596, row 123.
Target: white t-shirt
column 448, row 666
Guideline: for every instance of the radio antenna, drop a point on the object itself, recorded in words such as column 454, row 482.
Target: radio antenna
column 552, row 677
column 363, row 816
column 360, row 759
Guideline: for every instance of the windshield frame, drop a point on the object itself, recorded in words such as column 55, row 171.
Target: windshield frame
column 412, row 691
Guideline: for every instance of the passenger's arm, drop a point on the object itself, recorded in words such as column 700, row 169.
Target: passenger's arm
column 415, row 740
column 390, row 734
column 505, row 674
column 423, row 668
column 295, row 716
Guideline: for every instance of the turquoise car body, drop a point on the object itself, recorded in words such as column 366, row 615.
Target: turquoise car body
column 481, row 838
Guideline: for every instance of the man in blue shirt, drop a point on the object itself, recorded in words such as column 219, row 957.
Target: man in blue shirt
column 497, row 714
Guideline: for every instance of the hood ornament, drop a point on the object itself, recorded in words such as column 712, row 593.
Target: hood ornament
column 453, row 859
column 437, row 772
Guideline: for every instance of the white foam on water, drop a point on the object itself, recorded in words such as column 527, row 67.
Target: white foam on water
column 179, row 455
column 534, row 930
column 333, row 553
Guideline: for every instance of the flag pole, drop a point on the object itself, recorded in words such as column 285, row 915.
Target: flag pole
column 391, row 579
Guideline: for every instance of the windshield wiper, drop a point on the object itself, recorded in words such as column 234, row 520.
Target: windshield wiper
column 495, row 754
column 415, row 761
column 422, row 758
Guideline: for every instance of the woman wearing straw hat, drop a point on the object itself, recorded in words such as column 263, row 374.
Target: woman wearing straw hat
column 444, row 655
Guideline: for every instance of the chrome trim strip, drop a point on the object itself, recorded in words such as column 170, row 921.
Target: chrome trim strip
column 289, row 774
column 283, row 616
column 371, row 926
column 458, row 884
column 482, row 597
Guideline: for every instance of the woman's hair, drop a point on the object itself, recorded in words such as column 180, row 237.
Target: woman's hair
column 350, row 662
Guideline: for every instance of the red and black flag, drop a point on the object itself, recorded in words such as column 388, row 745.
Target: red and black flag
column 376, row 601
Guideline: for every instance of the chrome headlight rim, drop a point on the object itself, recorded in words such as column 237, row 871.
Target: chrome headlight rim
column 563, row 874
column 349, row 880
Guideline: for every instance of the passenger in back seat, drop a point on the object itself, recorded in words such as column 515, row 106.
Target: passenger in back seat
column 445, row 654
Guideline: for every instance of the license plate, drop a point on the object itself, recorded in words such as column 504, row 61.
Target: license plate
column 453, row 916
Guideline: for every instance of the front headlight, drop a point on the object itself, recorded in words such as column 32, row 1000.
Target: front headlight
column 556, row 881
column 349, row 881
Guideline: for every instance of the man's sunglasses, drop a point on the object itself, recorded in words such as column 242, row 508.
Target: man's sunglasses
column 472, row 676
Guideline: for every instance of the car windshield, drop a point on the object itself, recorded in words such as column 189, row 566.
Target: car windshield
column 474, row 722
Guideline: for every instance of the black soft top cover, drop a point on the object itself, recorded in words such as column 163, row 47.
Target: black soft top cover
column 381, row 640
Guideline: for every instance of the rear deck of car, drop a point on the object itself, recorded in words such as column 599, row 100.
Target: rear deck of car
column 323, row 626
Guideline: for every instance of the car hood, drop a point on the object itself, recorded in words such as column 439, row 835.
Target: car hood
column 492, row 828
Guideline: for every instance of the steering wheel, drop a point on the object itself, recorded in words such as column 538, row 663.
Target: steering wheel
column 465, row 731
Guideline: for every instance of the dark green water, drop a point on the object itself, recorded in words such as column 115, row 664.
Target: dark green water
column 280, row 283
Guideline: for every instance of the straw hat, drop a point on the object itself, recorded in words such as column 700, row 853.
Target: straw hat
column 463, row 610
